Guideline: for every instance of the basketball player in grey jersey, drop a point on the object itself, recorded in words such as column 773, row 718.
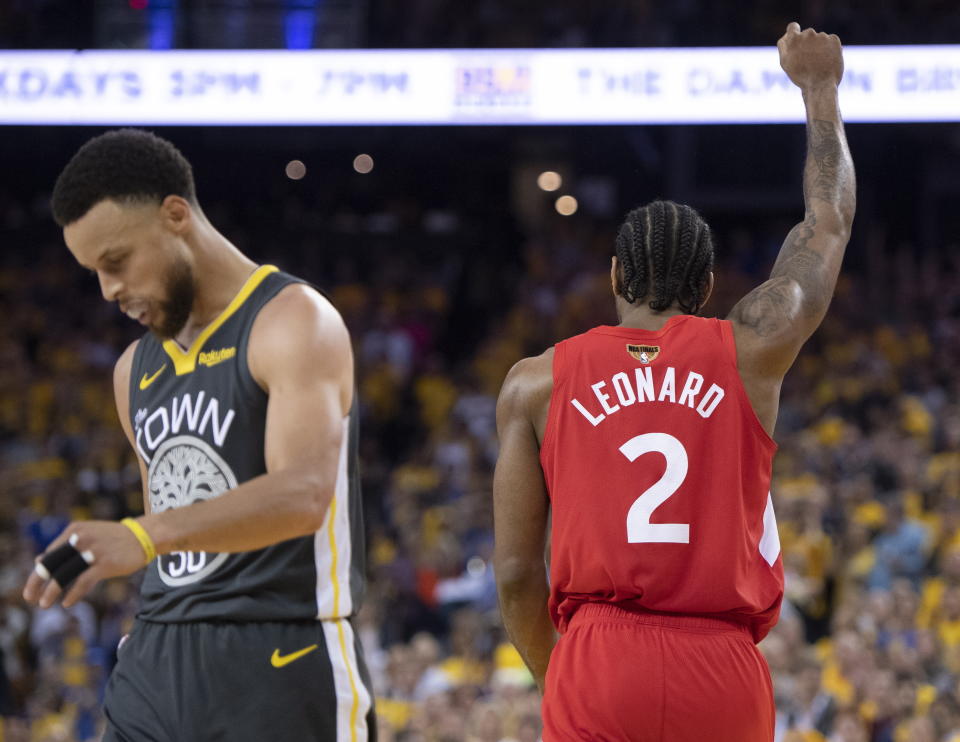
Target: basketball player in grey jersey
column 240, row 406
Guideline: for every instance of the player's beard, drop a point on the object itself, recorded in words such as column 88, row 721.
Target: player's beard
column 175, row 309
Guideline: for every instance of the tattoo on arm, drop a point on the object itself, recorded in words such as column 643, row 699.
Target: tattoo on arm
column 804, row 265
column 772, row 306
column 823, row 175
column 786, row 309
column 767, row 309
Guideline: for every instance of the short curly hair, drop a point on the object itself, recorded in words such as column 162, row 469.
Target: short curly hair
column 126, row 165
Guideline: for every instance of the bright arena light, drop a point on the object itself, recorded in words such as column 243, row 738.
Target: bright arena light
column 363, row 164
column 566, row 205
column 549, row 180
column 295, row 170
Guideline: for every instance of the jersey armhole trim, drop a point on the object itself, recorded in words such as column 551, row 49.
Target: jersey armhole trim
column 132, row 383
column 134, row 365
column 729, row 343
column 553, row 411
column 248, row 384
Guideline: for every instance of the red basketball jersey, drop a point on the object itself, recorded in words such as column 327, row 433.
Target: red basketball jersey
column 658, row 472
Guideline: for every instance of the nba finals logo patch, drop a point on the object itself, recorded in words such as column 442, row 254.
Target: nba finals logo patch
column 643, row 353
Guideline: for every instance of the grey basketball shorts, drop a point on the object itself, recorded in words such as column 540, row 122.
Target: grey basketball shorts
column 240, row 682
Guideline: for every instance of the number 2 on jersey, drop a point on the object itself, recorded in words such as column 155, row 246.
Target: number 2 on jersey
column 639, row 528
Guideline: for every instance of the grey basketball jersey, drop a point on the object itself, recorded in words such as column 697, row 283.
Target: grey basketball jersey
column 199, row 422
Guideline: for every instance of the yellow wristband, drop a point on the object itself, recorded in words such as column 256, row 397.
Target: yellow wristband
column 149, row 550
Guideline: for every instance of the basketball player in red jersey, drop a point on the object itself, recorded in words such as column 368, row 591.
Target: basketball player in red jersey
column 649, row 445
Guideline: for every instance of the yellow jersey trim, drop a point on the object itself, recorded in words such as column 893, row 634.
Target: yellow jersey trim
column 186, row 362
column 332, row 514
column 354, row 707
column 353, row 685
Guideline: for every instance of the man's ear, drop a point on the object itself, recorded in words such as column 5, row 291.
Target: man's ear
column 615, row 282
column 710, row 284
column 177, row 214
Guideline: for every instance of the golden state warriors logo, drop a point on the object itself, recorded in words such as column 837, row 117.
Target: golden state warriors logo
column 643, row 353
column 183, row 471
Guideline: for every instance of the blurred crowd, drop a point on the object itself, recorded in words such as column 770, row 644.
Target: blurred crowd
column 440, row 303
column 57, row 24
column 548, row 23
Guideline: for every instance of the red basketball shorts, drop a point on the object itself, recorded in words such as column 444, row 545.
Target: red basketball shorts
column 617, row 676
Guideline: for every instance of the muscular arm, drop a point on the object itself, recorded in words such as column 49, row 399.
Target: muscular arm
column 773, row 321
column 792, row 303
column 300, row 353
column 521, row 509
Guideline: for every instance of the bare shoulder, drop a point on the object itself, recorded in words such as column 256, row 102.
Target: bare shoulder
column 529, row 378
column 299, row 303
column 764, row 326
column 526, row 391
column 762, row 360
column 301, row 315
column 299, row 327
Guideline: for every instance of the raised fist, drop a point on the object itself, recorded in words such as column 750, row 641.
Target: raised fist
column 811, row 59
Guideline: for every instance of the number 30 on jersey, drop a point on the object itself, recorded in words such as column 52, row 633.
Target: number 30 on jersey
column 639, row 528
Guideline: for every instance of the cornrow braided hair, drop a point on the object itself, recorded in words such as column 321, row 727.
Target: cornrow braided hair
column 665, row 251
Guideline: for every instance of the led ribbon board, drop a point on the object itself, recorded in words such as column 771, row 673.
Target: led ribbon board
column 498, row 86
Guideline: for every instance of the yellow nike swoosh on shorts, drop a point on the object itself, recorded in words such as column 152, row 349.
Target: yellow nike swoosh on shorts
column 277, row 661
column 148, row 380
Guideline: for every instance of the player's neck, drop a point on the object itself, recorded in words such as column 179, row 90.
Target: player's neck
column 220, row 271
column 644, row 318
